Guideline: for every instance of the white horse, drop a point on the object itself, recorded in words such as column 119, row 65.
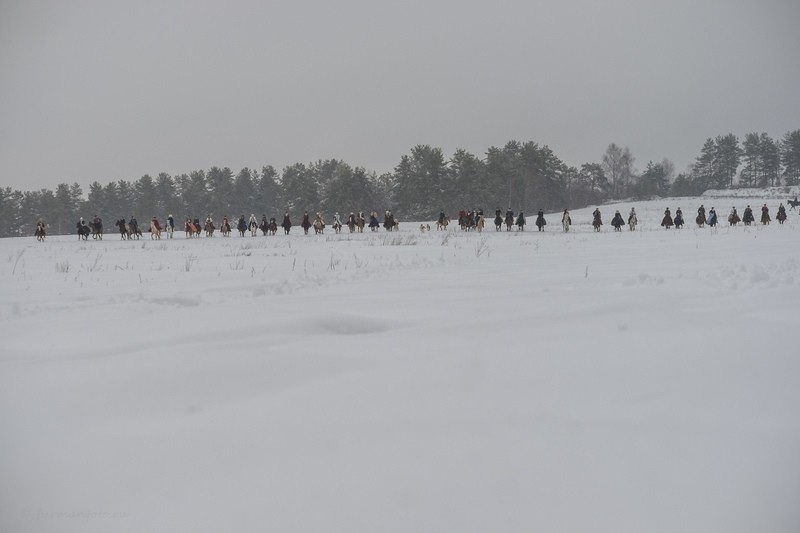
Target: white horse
column 632, row 221
column 566, row 221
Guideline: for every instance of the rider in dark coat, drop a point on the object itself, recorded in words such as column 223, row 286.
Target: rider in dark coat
column 617, row 221
column 747, row 216
column 667, row 220
column 287, row 223
column 540, row 221
column 306, row 223
column 678, row 218
column 765, row 214
column 521, row 221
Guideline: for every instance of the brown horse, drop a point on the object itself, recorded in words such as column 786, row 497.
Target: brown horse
column 155, row 229
column 190, row 229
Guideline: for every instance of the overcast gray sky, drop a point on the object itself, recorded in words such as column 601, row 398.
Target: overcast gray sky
column 106, row 90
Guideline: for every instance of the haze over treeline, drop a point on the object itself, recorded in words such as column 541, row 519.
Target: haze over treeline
column 525, row 176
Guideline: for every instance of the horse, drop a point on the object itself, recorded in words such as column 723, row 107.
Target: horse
column 617, row 222
column 733, row 218
column 540, row 222
column 40, row 232
column 480, row 223
column 781, row 216
column 361, row 222
column 124, row 229
column 566, row 221
column 272, row 226
column 225, row 229
column 170, row 229
column 83, row 231
column 190, row 229
column 389, row 222
column 253, row 225
column 794, row 203
column 443, row 223
column 632, row 221
column 597, row 221
column 209, row 228
column 319, row 225
column 337, row 226
column 97, row 229
column 700, row 220
column 498, row 222
column 464, row 221
column 678, row 221
column 155, row 230
column 509, row 221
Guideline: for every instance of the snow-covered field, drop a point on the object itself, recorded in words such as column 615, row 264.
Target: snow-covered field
column 642, row 381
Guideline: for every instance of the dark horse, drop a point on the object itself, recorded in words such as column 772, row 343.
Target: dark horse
column 794, row 203
column 40, row 232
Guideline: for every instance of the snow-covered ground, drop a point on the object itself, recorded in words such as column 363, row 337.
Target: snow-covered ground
column 643, row 381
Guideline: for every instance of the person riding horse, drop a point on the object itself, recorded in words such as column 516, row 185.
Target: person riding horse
column 781, row 216
column 701, row 216
column 521, row 221
column 679, row 218
column 733, row 218
column 667, row 220
column 617, row 221
column 765, row 214
column 712, row 217
column 287, row 223
column 540, row 221
column 597, row 219
column 40, row 232
column 747, row 216
column 83, row 229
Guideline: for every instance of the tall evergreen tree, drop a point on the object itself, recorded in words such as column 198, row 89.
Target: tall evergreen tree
column 464, row 184
column 728, row 155
column 790, row 157
column 268, row 192
column 770, row 162
column 144, row 205
column 243, row 193
column 752, row 170
column 704, row 170
column 300, row 190
column 220, row 184
column 420, row 177
column 166, row 197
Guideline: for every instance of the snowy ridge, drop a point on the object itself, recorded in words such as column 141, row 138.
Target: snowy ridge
column 767, row 193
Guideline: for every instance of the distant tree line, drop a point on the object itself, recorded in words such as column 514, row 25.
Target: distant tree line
column 522, row 175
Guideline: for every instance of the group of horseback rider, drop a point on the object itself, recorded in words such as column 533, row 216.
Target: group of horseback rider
column 733, row 217
column 467, row 220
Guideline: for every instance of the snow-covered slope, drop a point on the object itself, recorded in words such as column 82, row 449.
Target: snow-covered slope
column 443, row 381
